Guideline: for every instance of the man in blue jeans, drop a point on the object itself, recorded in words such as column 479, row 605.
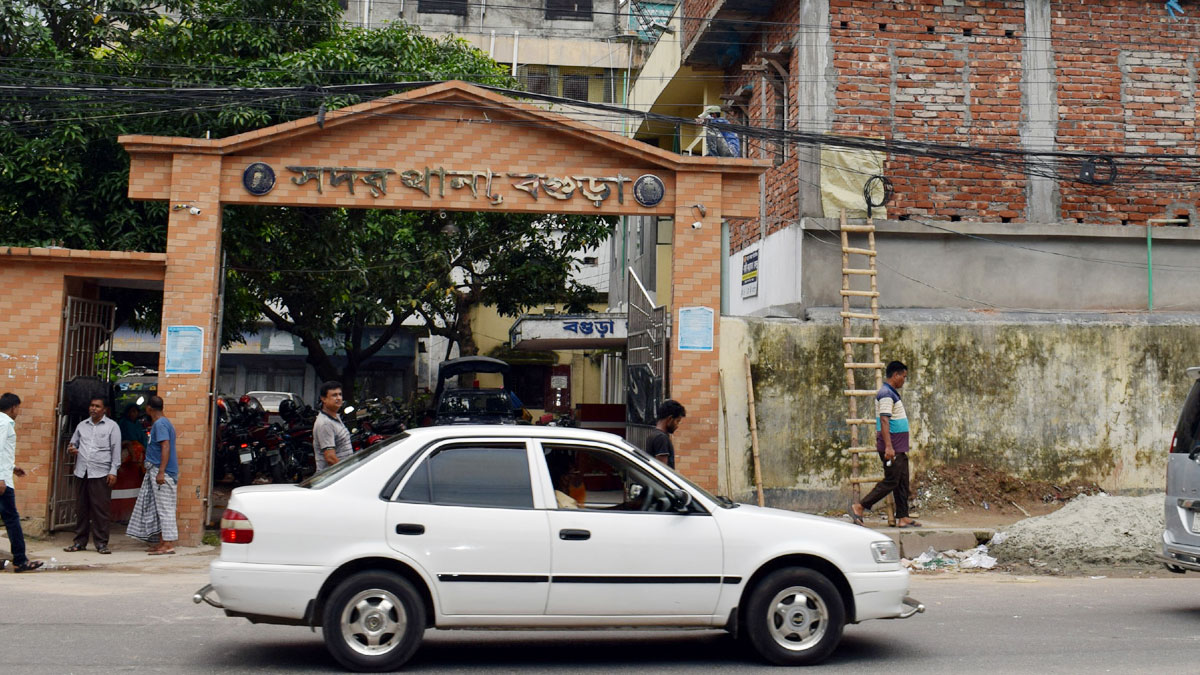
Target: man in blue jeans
column 10, row 408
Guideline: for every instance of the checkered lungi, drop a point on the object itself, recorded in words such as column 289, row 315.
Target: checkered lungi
column 153, row 516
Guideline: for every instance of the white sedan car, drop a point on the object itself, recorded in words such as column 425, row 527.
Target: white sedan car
column 538, row 527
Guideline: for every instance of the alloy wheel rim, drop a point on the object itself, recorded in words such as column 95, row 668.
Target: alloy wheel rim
column 373, row 622
column 797, row 618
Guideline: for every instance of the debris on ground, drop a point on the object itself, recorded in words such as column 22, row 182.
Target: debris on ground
column 932, row 559
column 969, row 484
column 1090, row 531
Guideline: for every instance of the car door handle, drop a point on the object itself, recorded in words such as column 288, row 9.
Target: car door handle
column 574, row 535
column 410, row 528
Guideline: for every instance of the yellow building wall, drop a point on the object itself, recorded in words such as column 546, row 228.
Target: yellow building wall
column 491, row 331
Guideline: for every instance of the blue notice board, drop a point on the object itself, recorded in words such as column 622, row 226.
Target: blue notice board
column 696, row 329
column 185, row 350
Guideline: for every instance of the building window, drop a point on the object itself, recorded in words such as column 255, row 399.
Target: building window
column 571, row 10
column 575, row 86
column 458, row 7
column 539, row 79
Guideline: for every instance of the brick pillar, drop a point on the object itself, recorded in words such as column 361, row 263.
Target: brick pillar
column 696, row 282
column 190, row 299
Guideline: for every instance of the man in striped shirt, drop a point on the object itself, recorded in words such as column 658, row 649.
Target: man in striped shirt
column 891, row 442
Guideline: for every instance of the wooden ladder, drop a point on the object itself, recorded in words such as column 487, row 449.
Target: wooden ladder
column 852, row 342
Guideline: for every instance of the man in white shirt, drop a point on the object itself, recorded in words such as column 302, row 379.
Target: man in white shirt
column 10, row 408
column 96, row 445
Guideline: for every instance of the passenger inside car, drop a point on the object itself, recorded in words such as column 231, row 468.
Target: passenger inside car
column 595, row 480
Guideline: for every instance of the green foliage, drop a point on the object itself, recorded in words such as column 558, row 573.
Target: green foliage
column 119, row 368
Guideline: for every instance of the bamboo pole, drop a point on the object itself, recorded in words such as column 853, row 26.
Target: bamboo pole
column 758, row 486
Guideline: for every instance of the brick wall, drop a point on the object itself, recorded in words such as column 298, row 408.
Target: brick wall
column 693, row 14
column 950, row 72
column 31, row 318
column 941, row 71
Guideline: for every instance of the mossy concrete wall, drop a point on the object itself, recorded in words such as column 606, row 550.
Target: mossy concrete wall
column 1051, row 397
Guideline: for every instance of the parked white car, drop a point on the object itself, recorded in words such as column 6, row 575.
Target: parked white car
column 522, row 526
column 270, row 400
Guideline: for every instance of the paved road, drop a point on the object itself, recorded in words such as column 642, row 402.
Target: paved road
column 142, row 620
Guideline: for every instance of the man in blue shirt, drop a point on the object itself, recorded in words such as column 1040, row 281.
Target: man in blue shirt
column 719, row 142
column 153, row 517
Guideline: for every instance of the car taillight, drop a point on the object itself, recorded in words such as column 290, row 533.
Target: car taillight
column 1174, row 437
column 236, row 528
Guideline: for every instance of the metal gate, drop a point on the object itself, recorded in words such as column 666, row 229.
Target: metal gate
column 646, row 382
column 87, row 326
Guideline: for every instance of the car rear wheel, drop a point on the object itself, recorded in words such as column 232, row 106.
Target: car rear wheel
column 373, row 621
column 795, row 617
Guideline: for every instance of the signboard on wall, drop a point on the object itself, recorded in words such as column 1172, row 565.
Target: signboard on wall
column 750, row 274
column 185, row 350
column 696, row 329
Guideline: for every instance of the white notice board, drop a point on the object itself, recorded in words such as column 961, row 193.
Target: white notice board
column 696, row 329
column 185, row 350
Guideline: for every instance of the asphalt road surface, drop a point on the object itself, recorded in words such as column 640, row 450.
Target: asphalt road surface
column 142, row 620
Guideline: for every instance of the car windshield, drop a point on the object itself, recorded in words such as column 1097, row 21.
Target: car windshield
column 476, row 402
column 720, row 500
column 332, row 473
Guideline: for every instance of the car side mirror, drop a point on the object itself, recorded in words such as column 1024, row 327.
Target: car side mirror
column 680, row 499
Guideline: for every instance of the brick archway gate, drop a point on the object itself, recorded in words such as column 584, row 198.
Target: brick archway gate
column 449, row 146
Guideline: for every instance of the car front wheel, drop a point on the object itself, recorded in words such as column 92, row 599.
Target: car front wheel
column 795, row 617
column 373, row 621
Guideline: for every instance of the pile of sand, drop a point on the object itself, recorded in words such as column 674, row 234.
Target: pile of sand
column 1089, row 531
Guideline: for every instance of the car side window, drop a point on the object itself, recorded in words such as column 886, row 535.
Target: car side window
column 472, row 475
column 600, row 480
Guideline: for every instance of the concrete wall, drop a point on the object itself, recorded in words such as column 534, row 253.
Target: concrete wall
column 1053, row 398
column 992, row 266
column 779, row 275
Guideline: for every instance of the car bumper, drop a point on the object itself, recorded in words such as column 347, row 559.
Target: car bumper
column 1179, row 556
column 282, row 591
column 882, row 595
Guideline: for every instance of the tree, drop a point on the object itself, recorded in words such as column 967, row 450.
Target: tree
column 509, row 262
column 316, row 273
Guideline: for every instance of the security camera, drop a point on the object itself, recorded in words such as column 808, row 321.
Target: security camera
column 697, row 225
column 193, row 210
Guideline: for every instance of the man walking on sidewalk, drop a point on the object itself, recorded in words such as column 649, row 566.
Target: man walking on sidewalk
column 153, row 515
column 10, row 408
column 96, row 445
column 891, row 442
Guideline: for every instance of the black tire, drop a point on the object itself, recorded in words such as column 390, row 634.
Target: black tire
column 245, row 474
column 794, row 617
column 357, row 612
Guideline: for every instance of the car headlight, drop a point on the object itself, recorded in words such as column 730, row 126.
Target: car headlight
column 885, row 551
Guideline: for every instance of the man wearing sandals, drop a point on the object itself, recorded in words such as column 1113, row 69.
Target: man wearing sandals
column 10, row 408
column 891, row 442
column 153, row 517
column 96, row 445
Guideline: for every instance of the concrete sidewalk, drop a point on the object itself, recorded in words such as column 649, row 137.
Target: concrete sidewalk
column 126, row 551
column 939, row 530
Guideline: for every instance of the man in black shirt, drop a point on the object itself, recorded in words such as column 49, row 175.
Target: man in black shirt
column 658, row 443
